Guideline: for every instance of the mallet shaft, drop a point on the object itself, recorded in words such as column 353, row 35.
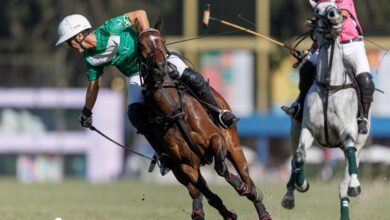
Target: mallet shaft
column 253, row 32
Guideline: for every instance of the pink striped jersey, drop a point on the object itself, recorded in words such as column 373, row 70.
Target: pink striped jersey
column 351, row 26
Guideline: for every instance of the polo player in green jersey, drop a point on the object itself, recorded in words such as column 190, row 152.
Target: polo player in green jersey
column 115, row 43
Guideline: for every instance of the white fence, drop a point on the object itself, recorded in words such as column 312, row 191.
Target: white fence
column 104, row 160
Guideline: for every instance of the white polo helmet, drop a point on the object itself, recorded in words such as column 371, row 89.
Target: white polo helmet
column 70, row 26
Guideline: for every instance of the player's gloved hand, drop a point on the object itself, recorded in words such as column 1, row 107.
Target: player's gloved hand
column 85, row 118
column 300, row 56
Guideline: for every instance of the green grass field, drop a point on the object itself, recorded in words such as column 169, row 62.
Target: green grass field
column 130, row 200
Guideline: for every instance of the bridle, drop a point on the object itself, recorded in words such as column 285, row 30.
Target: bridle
column 149, row 44
column 152, row 55
column 330, row 21
column 153, row 69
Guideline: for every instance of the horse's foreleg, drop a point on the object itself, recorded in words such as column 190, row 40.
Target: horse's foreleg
column 350, row 185
column 306, row 139
column 288, row 200
column 352, row 162
column 196, row 195
column 197, row 203
column 214, row 200
column 344, row 201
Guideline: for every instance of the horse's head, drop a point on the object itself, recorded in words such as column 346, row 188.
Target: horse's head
column 329, row 18
column 152, row 55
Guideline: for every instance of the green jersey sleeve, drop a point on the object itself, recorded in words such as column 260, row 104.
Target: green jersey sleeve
column 94, row 72
column 118, row 24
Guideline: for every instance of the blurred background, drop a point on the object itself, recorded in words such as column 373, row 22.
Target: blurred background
column 42, row 88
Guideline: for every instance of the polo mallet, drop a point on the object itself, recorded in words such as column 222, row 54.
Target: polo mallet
column 153, row 160
column 120, row 145
column 206, row 18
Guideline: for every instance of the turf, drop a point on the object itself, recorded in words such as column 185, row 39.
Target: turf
column 132, row 200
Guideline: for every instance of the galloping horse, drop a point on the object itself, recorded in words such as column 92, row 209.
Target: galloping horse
column 189, row 136
column 330, row 111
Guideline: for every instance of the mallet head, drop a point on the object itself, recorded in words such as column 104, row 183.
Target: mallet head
column 206, row 16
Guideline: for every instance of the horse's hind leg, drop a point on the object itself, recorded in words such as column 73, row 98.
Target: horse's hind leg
column 196, row 195
column 288, row 200
column 237, row 158
column 306, row 139
column 244, row 188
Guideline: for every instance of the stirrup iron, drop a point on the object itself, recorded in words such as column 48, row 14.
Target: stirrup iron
column 221, row 113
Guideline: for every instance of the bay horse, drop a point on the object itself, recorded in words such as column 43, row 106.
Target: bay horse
column 330, row 111
column 186, row 133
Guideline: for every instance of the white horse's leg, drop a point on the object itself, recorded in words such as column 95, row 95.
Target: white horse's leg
column 344, row 201
column 352, row 165
column 305, row 141
column 350, row 185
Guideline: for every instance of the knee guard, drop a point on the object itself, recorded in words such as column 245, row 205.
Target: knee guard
column 366, row 86
column 138, row 116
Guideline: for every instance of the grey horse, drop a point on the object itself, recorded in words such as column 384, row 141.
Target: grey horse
column 330, row 111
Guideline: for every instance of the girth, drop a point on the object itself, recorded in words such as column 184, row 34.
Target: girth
column 333, row 88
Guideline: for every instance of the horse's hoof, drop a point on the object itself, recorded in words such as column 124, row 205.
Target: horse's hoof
column 288, row 201
column 231, row 216
column 197, row 215
column 354, row 191
column 265, row 217
column 304, row 188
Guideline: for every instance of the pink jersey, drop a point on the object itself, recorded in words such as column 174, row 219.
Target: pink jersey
column 351, row 26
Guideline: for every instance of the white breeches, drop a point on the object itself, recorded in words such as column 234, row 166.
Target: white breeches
column 354, row 53
column 134, row 89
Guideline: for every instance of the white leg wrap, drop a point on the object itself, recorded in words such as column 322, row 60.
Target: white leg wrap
column 354, row 182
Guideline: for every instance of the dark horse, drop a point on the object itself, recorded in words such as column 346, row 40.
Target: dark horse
column 186, row 133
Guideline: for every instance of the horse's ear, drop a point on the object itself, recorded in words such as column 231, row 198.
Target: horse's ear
column 313, row 3
column 158, row 25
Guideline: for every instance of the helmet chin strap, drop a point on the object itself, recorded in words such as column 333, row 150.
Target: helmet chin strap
column 80, row 43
